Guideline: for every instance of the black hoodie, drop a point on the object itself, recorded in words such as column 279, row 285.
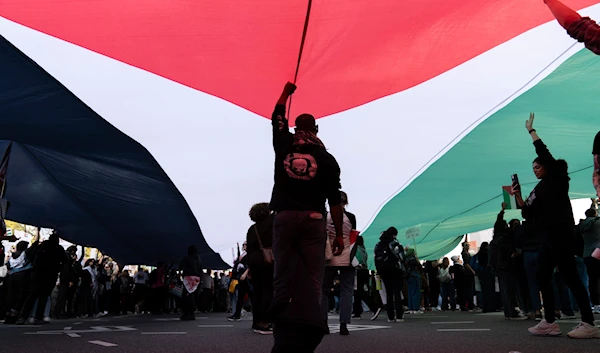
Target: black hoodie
column 548, row 206
column 191, row 265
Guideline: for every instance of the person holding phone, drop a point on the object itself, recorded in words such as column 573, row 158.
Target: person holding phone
column 549, row 208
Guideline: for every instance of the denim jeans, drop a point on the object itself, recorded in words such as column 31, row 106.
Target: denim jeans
column 299, row 249
column 531, row 268
column 393, row 280
column 448, row 291
column 414, row 291
column 508, row 291
column 469, row 292
column 593, row 270
column 551, row 257
column 346, row 291
column 583, row 276
column 46, row 310
column 488, row 290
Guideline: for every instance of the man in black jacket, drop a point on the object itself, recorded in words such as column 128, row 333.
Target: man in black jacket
column 502, row 256
column 306, row 176
column 47, row 260
column 69, row 277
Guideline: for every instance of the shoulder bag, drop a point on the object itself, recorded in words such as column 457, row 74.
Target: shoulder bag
column 266, row 252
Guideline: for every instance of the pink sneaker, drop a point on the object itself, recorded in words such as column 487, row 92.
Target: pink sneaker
column 584, row 330
column 545, row 329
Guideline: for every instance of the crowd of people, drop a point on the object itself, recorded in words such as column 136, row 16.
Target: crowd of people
column 301, row 260
column 44, row 281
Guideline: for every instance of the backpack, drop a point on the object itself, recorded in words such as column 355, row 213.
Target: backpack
column 125, row 287
column 42, row 256
column 385, row 259
column 411, row 262
column 475, row 264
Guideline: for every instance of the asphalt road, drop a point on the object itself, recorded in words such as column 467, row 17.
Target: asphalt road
column 431, row 332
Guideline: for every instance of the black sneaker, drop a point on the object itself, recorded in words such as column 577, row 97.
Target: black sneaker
column 234, row 318
column 344, row 330
column 356, row 317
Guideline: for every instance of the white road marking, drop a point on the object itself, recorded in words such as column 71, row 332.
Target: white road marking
column 410, row 316
column 74, row 335
column 206, row 326
column 122, row 328
column 491, row 314
column 336, row 328
column 452, row 322
column 93, row 329
column 67, row 328
column 462, row 329
column 164, row 333
column 104, row 344
column 176, row 318
column 24, row 326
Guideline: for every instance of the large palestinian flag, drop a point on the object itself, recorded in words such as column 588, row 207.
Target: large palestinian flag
column 157, row 123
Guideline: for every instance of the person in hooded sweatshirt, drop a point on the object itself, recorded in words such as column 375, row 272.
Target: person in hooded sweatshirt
column 47, row 260
column 502, row 253
column 341, row 265
column 590, row 231
column 3, row 281
column 69, row 277
column 549, row 208
column 191, row 265
column 362, row 277
column 19, row 269
column 389, row 260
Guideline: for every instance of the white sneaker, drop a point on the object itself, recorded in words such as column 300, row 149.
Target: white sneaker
column 374, row 317
column 400, row 320
column 596, row 309
column 391, row 320
column 545, row 329
column 584, row 330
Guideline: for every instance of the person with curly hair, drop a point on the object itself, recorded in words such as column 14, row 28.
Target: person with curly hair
column 260, row 236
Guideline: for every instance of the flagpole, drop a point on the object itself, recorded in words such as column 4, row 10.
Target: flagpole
column 4, row 169
column 415, row 245
column 3, row 185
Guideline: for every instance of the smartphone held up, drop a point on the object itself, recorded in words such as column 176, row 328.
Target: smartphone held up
column 508, row 193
